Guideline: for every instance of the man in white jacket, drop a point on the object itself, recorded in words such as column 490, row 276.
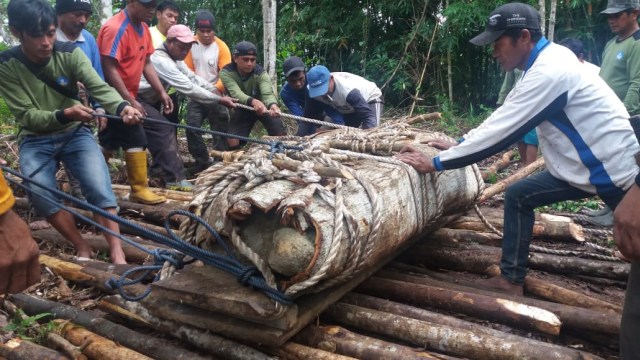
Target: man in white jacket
column 585, row 137
column 168, row 63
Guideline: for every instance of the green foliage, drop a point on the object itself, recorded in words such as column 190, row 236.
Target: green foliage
column 572, row 206
column 27, row 327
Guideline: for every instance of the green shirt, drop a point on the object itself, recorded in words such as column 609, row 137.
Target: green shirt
column 36, row 105
column 621, row 70
column 255, row 86
column 510, row 80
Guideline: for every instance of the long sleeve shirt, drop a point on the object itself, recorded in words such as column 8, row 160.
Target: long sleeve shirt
column 255, row 86
column 620, row 68
column 37, row 106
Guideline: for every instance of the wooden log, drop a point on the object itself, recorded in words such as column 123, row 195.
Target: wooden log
column 496, row 309
column 97, row 243
column 202, row 339
column 18, row 349
column 122, row 192
column 423, row 117
column 153, row 213
column 96, row 346
column 545, row 225
column 498, row 165
column 295, row 351
column 465, row 236
column 502, row 184
column 342, row 341
column 145, row 344
column 576, row 320
column 553, row 292
column 476, row 258
column 443, row 338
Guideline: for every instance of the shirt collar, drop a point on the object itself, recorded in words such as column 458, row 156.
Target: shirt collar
column 60, row 36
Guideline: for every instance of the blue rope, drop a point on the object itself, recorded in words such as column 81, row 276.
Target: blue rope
column 246, row 275
column 272, row 144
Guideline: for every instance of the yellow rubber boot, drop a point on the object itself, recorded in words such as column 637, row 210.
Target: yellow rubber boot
column 137, row 172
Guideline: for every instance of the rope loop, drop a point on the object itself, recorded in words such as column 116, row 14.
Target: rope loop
column 275, row 148
column 247, row 274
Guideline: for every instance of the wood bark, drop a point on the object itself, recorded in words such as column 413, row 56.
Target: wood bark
column 502, row 184
column 295, row 351
column 559, row 294
column 153, row 213
column 496, row 309
column 202, row 339
column 122, row 192
column 578, row 321
column 444, row 338
column 18, row 349
column 498, row 165
column 448, row 235
column 269, row 13
column 424, row 117
column 145, row 344
column 96, row 346
column 342, row 341
column 545, row 225
column 552, row 19
column 476, row 258
column 97, row 243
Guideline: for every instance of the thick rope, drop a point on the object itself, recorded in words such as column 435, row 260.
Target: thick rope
column 300, row 118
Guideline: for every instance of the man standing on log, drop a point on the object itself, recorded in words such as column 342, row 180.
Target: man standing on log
column 585, row 135
column 39, row 85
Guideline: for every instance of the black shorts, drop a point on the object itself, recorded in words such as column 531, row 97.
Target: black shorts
column 242, row 121
column 118, row 135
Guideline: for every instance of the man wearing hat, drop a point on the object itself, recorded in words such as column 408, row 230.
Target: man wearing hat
column 294, row 93
column 248, row 82
column 207, row 57
column 169, row 64
column 125, row 47
column 584, row 132
column 357, row 101
column 621, row 69
column 73, row 16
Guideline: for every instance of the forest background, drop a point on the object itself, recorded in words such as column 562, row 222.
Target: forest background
column 417, row 51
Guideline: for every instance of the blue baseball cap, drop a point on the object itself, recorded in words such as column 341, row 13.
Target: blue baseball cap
column 318, row 79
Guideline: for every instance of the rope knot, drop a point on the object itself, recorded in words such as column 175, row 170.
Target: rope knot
column 276, row 147
column 247, row 274
column 160, row 256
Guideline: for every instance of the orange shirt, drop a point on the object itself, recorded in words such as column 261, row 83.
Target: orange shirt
column 209, row 68
column 6, row 196
column 130, row 45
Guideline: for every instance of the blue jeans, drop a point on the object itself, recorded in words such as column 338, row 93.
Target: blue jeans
column 80, row 155
column 519, row 201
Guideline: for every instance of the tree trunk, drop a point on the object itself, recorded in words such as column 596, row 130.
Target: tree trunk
column 106, row 10
column 500, row 164
column 576, row 320
column 444, row 338
column 146, row 344
column 18, row 349
column 483, row 307
column 269, row 13
column 552, row 19
column 205, row 340
column 96, row 346
column 543, row 19
column 502, row 184
column 295, row 351
column 342, row 341
column 559, row 294
column 447, row 235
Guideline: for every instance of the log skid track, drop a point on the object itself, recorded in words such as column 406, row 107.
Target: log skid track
column 421, row 305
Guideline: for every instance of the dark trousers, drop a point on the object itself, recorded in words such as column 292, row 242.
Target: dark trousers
column 630, row 327
column 163, row 144
column 218, row 118
column 519, row 201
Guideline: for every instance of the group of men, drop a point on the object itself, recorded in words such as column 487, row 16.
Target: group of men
column 583, row 124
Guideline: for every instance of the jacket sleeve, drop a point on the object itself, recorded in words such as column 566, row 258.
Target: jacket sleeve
column 362, row 109
column 632, row 98
column 291, row 102
column 266, row 90
column 534, row 99
column 224, row 58
column 170, row 73
column 232, row 87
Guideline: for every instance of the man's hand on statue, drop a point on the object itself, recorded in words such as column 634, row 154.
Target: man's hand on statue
column 414, row 157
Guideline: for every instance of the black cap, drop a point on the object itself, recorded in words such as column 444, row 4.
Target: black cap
column 205, row 20
column 618, row 6
column 245, row 48
column 65, row 6
column 509, row 16
column 292, row 64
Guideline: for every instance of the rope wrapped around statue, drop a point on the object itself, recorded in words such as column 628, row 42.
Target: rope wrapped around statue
column 313, row 219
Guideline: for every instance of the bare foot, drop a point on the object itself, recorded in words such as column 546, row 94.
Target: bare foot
column 39, row 225
column 117, row 257
column 500, row 284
